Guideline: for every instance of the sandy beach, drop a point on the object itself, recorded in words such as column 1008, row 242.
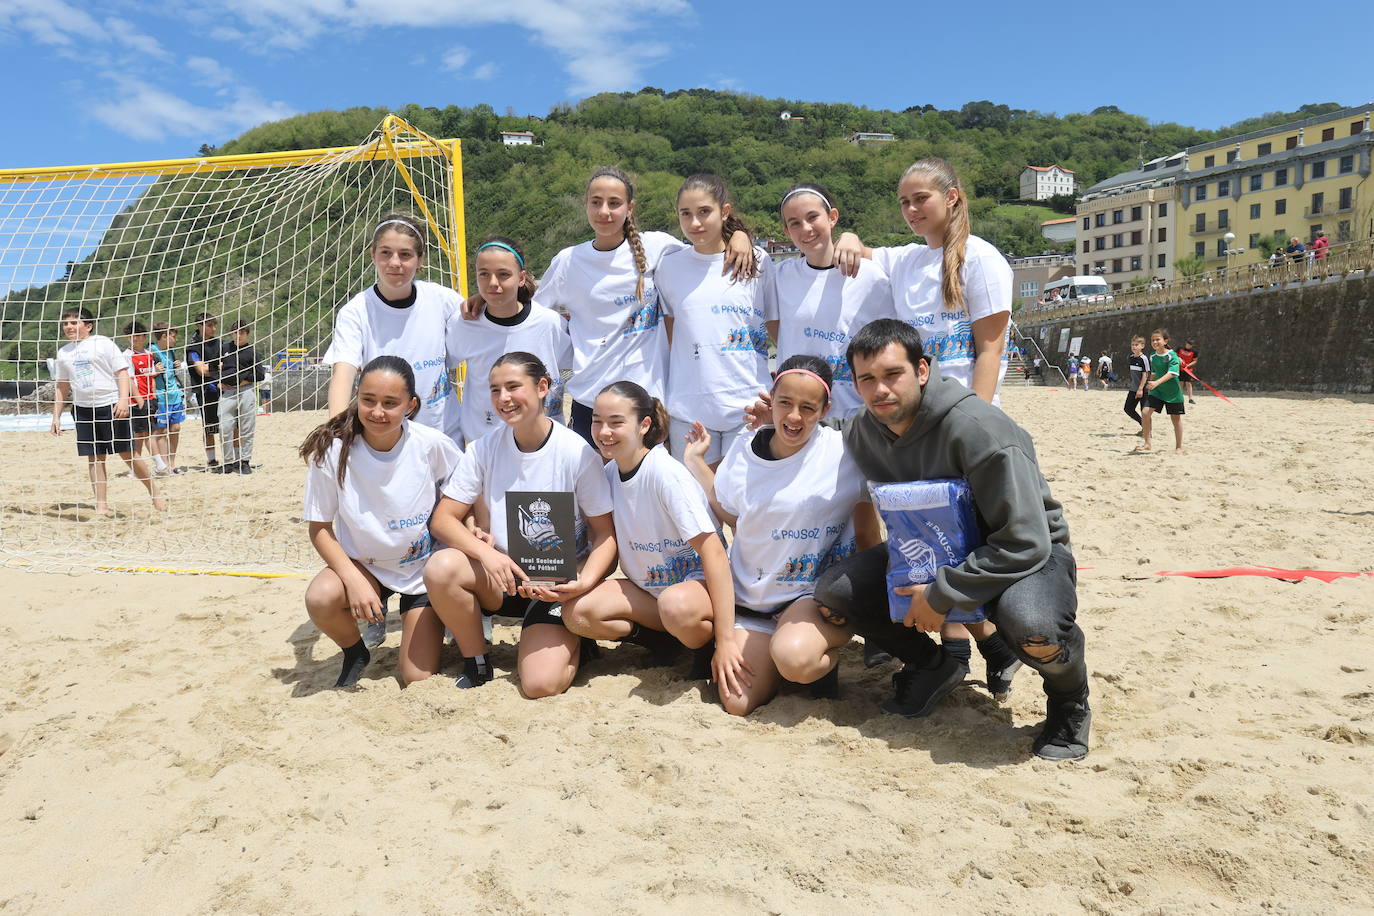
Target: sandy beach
column 169, row 744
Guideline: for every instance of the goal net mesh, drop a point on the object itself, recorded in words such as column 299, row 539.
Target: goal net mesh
column 278, row 240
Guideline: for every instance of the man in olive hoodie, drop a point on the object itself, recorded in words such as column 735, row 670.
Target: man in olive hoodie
column 919, row 426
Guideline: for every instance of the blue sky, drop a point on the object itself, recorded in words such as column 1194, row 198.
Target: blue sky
column 118, row 80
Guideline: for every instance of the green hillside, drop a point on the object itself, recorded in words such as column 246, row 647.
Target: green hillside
column 534, row 193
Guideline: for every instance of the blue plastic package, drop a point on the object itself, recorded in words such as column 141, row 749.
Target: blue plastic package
column 930, row 523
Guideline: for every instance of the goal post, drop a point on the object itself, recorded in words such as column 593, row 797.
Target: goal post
column 278, row 240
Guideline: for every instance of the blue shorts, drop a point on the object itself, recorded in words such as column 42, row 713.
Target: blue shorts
column 167, row 414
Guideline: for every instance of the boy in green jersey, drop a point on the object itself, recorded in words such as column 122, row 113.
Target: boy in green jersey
column 1165, row 393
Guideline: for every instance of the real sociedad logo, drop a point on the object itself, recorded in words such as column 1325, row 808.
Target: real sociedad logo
column 922, row 559
column 538, row 529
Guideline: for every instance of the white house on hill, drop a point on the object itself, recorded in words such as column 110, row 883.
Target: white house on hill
column 517, row 138
column 1039, row 182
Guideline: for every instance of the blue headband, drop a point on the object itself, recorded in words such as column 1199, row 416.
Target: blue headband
column 519, row 260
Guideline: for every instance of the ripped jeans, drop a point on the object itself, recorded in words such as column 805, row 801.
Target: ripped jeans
column 1037, row 611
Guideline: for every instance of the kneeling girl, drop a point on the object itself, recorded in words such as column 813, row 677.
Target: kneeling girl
column 677, row 575
column 530, row 453
column 792, row 496
column 373, row 480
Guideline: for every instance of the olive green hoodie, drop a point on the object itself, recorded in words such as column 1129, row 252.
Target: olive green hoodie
column 957, row 434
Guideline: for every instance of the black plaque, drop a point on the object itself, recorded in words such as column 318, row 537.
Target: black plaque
column 541, row 535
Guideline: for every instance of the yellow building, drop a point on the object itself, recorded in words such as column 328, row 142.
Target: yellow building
column 1299, row 179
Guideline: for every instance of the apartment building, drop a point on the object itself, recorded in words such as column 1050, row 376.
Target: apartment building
column 1126, row 224
column 1039, row 182
column 1299, row 179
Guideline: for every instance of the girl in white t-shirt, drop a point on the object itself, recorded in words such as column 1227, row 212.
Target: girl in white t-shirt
column 677, row 585
column 401, row 316
column 718, row 341
column 819, row 308
column 373, row 480
column 606, row 288
column 956, row 289
column 475, row 575
column 793, row 497
column 511, row 321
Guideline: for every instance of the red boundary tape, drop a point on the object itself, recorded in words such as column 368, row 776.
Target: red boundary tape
column 1271, row 572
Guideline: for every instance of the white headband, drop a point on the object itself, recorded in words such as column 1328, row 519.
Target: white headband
column 399, row 222
column 795, row 191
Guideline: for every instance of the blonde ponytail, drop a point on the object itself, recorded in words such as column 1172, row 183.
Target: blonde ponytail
column 943, row 177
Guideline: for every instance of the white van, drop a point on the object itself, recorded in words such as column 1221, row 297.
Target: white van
column 1077, row 289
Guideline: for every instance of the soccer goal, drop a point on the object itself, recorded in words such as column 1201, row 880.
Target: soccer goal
column 278, row 241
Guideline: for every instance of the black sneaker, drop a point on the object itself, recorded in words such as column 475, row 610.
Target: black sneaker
column 474, row 675
column 999, row 679
column 828, row 687
column 920, row 689
column 875, row 655
column 212, row 463
column 243, row 468
column 664, row 649
column 218, row 468
column 1065, row 736
column 701, row 662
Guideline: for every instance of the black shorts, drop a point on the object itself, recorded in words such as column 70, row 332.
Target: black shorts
column 209, row 408
column 141, row 418
column 98, row 432
column 406, row 602
column 1158, row 406
column 529, row 610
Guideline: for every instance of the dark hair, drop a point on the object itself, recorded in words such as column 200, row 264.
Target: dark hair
column 241, row 325
column 404, row 224
column 812, row 187
column 79, row 311
column 526, row 292
column 809, row 363
column 1162, row 332
column 135, row 327
column 162, row 327
column 345, row 426
column 715, row 186
column 876, row 335
column 631, row 228
column 206, row 317
column 530, row 364
column 645, row 405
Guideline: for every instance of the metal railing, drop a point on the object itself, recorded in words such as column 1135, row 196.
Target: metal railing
column 1340, row 260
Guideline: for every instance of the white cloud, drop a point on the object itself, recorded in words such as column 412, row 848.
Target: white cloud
column 145, row 112
column 455, row 59
column 58, row 24
column 210, row 71
column 601, row 42
column 124, row 33
column 484, row 72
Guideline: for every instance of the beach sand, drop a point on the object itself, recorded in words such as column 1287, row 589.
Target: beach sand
column 168, row 743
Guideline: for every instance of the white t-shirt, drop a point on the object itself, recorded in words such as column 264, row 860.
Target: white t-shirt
column 819, row 310
column 366, row 327
column 795, row 516
column 381, row 514
column 483, row 341
column 91, row 366
column 657, row 512
column 718, row 360
column 946, row 334
column 494, row 465
column 614, row 335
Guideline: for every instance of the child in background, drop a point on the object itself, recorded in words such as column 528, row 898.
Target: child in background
column 1140, row 373
column 240, row 372
column 171, row 403
column 143, row 392
column 91, row 370
column 1165, row 391
column 1187, row 360
column 373, row 479
column 202, row 356
column 1085, row 372
column 1073, row 372
column 510, row 322
column 1104, row 370
column 718, row 345
column 818, row 308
